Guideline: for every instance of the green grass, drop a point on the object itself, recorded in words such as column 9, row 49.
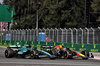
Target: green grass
column 3, row 45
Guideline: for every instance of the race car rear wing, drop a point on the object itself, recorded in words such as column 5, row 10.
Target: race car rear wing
column 14, row 46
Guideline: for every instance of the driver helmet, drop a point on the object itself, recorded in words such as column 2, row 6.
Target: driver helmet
column 62, row 45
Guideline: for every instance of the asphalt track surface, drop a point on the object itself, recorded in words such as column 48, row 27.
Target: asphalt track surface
column 46, row 61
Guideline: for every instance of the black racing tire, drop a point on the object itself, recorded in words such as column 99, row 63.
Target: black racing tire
column 9, row 53
column 86, row 53
column 33, row 54
column 66, row 54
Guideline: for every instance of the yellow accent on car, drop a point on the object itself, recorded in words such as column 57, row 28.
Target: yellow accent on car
column 52, row 53
column 7, row 53
column 82, row 55
column 33, row 54
column 60, row 46
column 17, row 43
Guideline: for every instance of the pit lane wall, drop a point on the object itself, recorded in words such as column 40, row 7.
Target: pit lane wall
column 38, row 44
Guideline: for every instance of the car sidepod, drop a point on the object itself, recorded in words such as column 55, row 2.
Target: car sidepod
column 46, row 54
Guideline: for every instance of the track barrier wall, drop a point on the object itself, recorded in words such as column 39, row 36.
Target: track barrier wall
column 38, row 44
column 71, row 35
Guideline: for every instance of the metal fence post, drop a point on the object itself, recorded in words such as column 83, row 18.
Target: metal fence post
column 57, row 33
column 7, row 33
column 93, row 35
column 16, row 34
column 49, row 33
column 45, row 33
column 76, row 35
column 30, row 34
column 98, row 40
column 40, row 36
column 10, row 33
column 44, row 30
column 19, row 34
column 13, row 34
column 33, row 35
column 19, row 37
column 52, row 34
column 66, row 33
column 22, row 34
column 27, row 34
column 61, row 35
column 71, row 35
column 99, row 27
column 82, row 35
column 87, row 35
column 2, row 33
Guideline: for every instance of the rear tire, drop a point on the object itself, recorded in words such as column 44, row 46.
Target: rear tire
column 86, row 53
column 65, row 54
column 9, row 53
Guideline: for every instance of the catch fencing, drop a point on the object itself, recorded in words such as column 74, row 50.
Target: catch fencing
column 82, row 35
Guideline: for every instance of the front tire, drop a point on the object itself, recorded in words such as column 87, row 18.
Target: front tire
column 33, row 54
column 9, row 53
column 65, row 54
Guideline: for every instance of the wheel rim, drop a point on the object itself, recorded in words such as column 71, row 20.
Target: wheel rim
column 7, row 53
column 52, row 52
column 32, row 54
column 65, row 54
